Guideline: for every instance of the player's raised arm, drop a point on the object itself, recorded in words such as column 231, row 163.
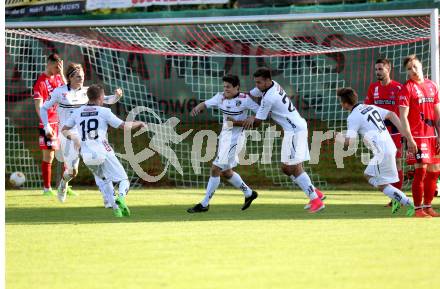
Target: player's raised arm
column 118, row 123
column 129, row 125
column 210, row 103
column 60, row 67
column 198, row 109
column 114, row 98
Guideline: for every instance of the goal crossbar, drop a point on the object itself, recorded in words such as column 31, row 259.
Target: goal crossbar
column 219, row 20
column 432, row 13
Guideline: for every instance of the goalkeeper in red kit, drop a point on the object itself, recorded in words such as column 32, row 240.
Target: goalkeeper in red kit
column 45, row 84
column 384, row 93
column 419, row 115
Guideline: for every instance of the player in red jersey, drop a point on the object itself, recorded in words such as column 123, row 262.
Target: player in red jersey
column 45, row 84
column 384, row 93
column 419, row 114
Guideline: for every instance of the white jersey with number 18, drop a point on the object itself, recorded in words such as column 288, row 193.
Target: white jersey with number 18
column 92, row 122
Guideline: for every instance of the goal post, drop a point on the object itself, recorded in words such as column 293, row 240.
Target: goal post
column 170, row 65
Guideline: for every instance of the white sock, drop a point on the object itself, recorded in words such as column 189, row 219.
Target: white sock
column 107, row 191
column 396, row 195
column 67, row 177
column 304, row 182
column 210, row 189
column 123, row 188
column 238, row 183
column 101, row 185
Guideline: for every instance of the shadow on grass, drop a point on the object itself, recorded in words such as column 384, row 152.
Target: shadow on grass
column 177, row 213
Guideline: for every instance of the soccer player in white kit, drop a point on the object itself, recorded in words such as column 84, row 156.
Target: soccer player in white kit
column 295, row 148
column 368, row 121
column 69, row 98
column 233, row 105
column 91, row 122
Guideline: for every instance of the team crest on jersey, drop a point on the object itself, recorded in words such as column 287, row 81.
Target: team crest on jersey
column 237, row 102
column 393, row 93
column 376, row 92
column 418, row 92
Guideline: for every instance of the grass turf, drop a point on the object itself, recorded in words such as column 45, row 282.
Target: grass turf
column 354, row 243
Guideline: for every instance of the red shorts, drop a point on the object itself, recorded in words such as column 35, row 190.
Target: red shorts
column 397, row 139
column 426, row 152
column 47, row 143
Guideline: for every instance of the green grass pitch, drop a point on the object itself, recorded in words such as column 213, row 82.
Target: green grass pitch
column 354, row 243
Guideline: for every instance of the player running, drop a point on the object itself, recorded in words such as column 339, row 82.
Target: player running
column 68, row 98
column 233, row 105
column 295, row 148
column 368, row 121
column 90, row 136
column 384, row 93
column 45, row 84
column 419, row 114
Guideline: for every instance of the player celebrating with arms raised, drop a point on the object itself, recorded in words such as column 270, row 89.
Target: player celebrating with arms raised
column 420, row 117
column 92, row 121
column 45, row 84
column 70, row 97
column 384, row 93
column 234, row 105
column 295, row 148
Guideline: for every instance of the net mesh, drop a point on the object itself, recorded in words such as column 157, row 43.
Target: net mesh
column 170, row 69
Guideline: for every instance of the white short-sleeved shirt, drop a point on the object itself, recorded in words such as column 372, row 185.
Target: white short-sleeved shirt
column 69, row 100
column 92, row 123
column 276, row 102
column 236, row 108
column 368, row 121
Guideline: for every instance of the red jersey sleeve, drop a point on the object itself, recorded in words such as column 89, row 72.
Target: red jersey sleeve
column 404, row 96
column 437, row 94
column 39, row 90
column 369, row 98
